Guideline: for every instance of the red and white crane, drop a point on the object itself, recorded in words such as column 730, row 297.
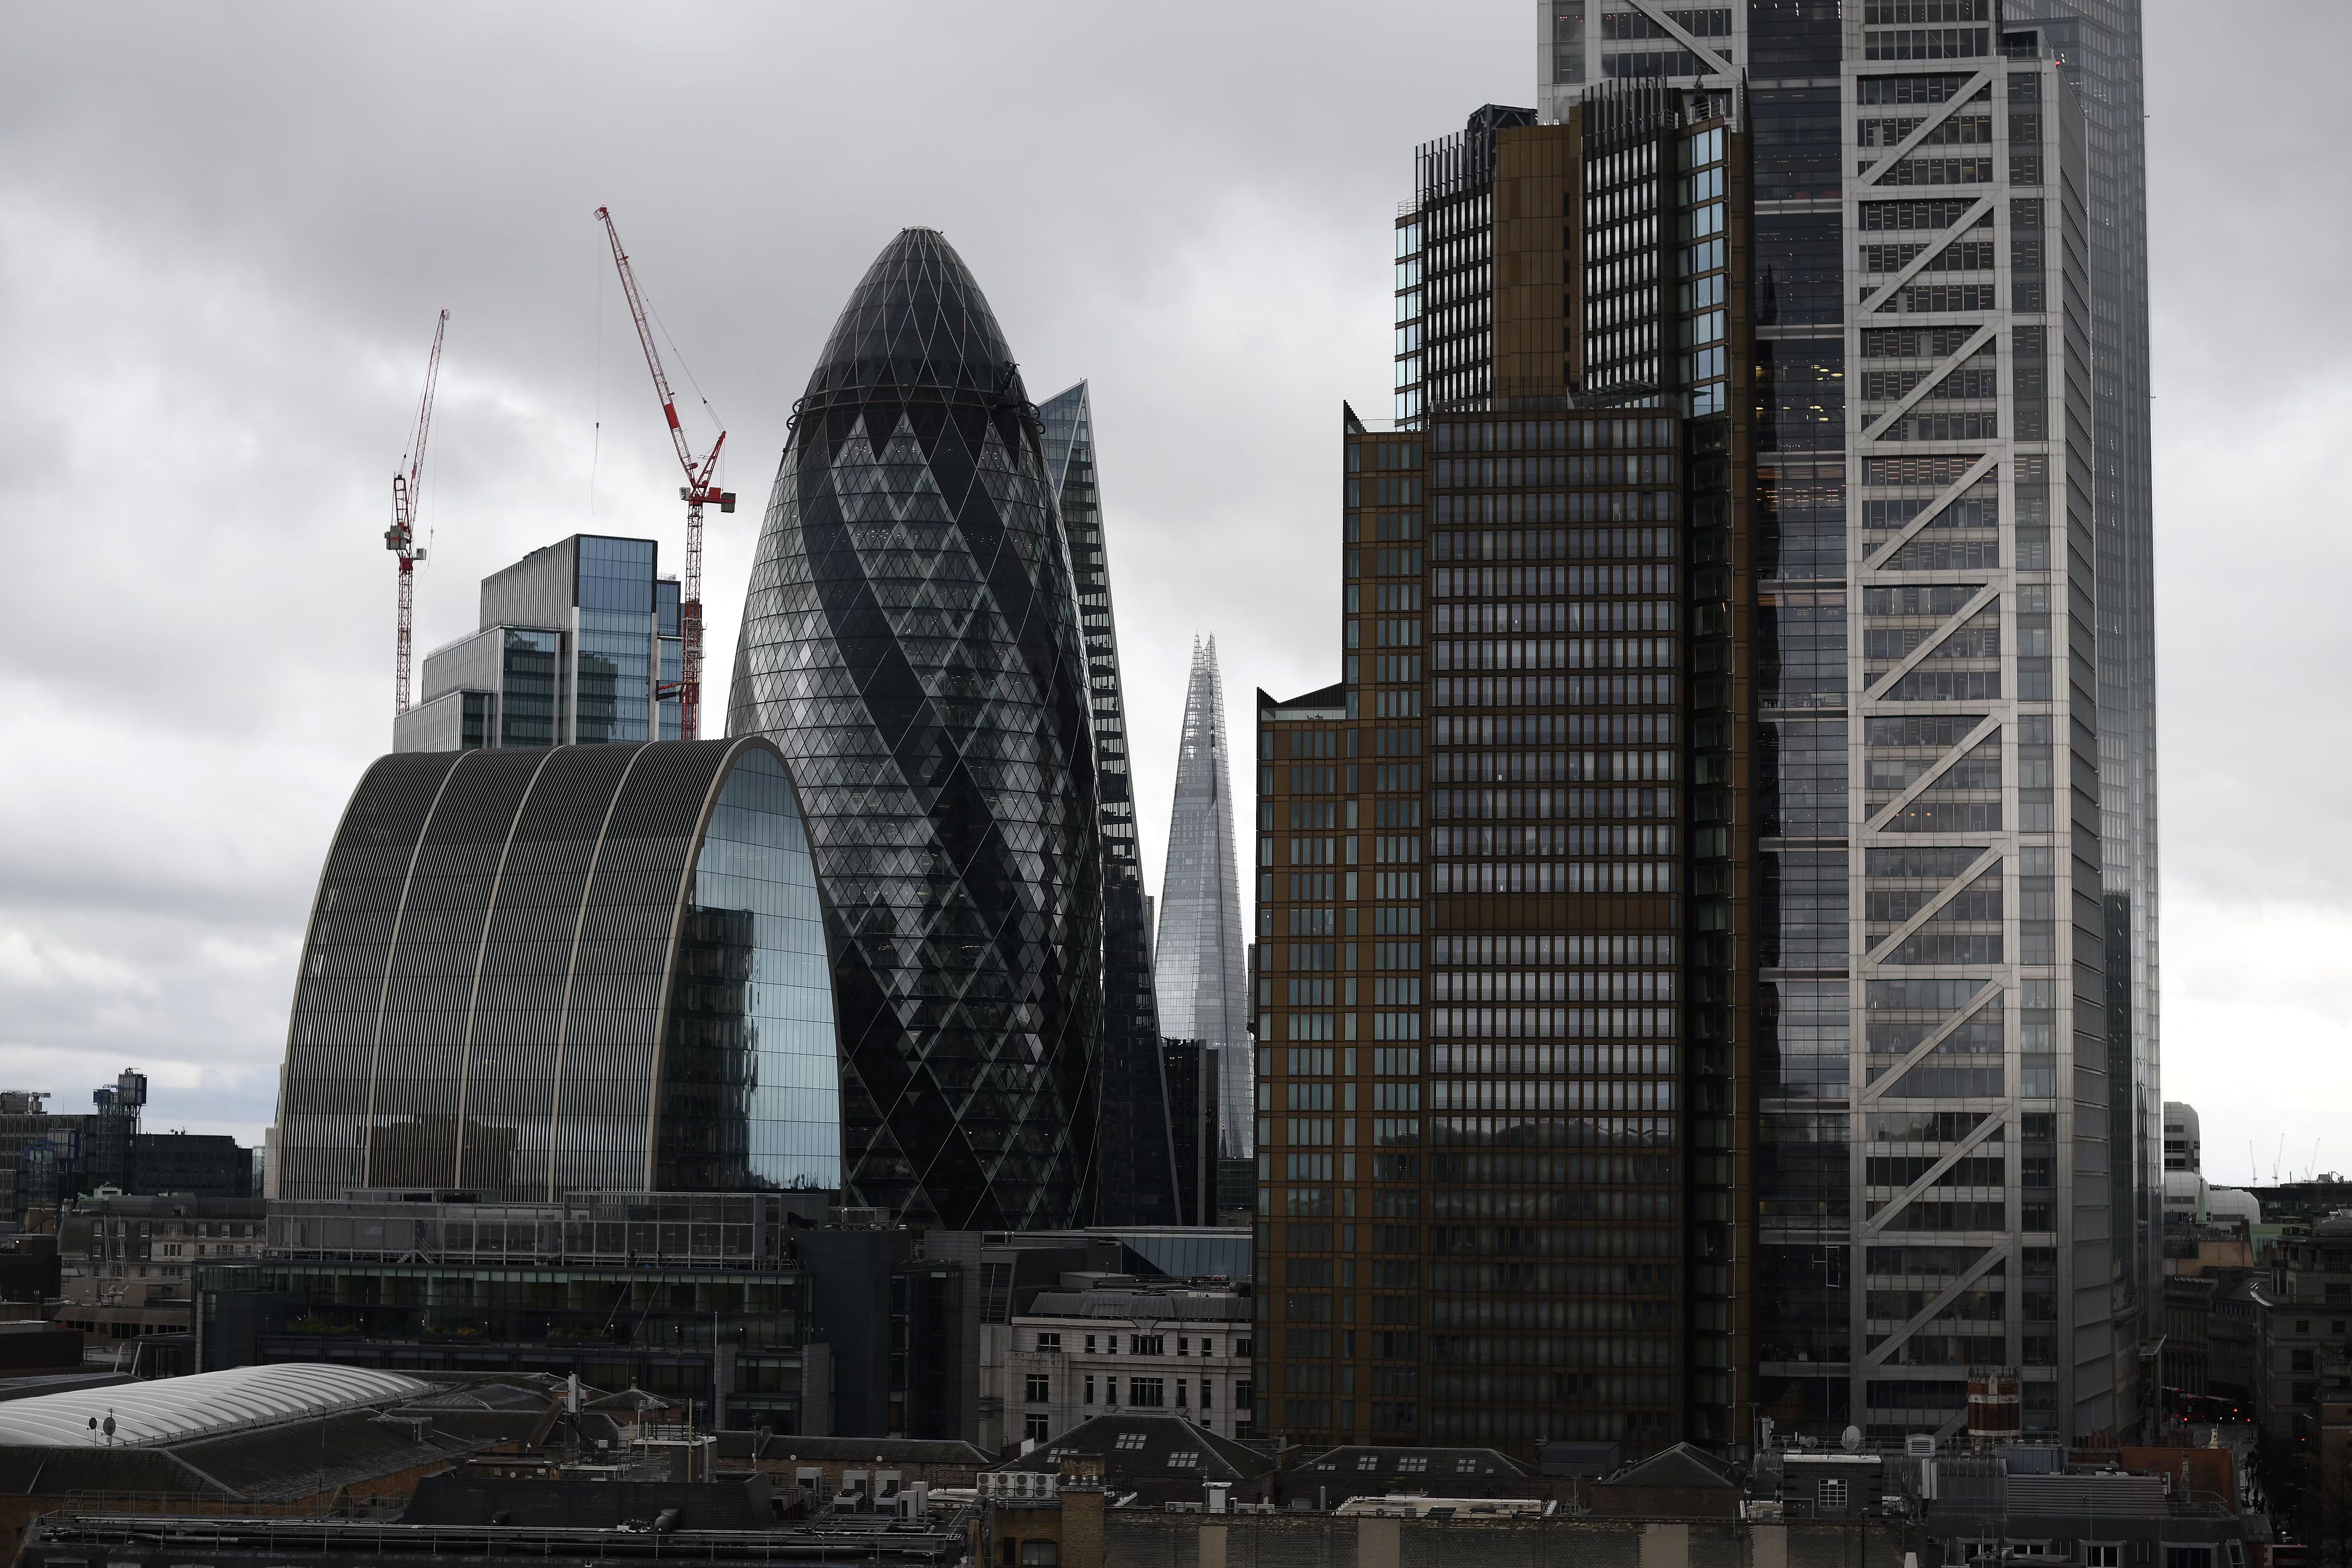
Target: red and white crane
column 697, row 490
column 401, row 537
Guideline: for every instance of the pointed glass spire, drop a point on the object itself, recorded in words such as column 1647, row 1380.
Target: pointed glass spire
column 1203, row 980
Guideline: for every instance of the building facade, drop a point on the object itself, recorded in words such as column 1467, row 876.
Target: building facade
column 1201, row 972
column 579, row 644
column 127, row 1264
column 1100, row 1344
column 1809, row 129
column 1137, row 1180
column 1717, row 941
column 531, row 970
column 913, row 643
column 689, row 1296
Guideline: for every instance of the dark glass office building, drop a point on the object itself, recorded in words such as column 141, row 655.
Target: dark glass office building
column 1136, row 1173
column 534, row 970
column 911, row 643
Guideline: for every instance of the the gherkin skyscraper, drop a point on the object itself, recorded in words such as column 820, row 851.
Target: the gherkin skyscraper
column 911, row 643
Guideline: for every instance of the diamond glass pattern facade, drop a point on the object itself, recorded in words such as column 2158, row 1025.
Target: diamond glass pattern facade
column 532, row 971
column 912, row 642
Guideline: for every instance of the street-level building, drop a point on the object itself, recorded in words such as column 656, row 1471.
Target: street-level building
column 689, row 1296
column 1102, row 1345
column 127, row 1264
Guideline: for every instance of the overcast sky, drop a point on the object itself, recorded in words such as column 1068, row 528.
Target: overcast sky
column 224, row 232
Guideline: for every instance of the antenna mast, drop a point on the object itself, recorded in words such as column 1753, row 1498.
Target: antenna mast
column 401, row 537
column 697, row 490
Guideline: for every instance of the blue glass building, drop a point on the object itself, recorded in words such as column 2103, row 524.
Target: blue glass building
column 537, row 971
column 911, row 643
column 576, row 643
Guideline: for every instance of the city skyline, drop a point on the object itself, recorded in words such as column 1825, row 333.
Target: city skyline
column 243, row 906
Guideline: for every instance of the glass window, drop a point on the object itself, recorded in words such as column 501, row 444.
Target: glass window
column 751, row 1093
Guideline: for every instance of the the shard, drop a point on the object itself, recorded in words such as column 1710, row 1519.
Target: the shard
column 911, row 643
column 1135, row 1171
column 1204, row 982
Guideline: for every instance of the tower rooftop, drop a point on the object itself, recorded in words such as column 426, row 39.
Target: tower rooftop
column 916, row 320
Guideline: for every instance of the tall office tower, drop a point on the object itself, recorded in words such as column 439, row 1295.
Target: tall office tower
column 1136, row 1180
column 575, row 644
column 1803, row 819
column 1818, row 226
column 2098, row 42
column 911, row 641
column 1203, row 980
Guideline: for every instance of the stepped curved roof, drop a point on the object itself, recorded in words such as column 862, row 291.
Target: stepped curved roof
column 204, row 1405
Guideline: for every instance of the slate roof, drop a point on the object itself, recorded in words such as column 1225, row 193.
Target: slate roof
column 1434, row 1466
column 785, row 1449
column 462, row 1499
column 1147, row 1447
column 1682, row 1465
column 282, row 1463
column 273, row 1464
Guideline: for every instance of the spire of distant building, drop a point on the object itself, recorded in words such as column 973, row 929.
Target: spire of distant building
column 1203, row 983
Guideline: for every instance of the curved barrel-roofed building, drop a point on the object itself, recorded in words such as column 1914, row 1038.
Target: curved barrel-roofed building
column 536, row 971
column 912, row 642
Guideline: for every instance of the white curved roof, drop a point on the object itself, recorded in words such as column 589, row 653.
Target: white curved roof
column 204, row 1405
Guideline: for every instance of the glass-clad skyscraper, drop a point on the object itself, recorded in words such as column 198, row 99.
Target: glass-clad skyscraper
column 532, row 971
column 2098, row 43
column 1136, row 1178
column 578, row 645
column 912, row 642
column 1204, row 982
column 1950, row 349
column 1784, row 929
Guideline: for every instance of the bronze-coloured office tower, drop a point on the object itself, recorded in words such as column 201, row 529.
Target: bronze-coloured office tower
column 1497, row 1201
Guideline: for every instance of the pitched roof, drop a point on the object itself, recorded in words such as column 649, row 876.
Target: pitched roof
column 1141, row 1447
column 1435, row 1466
column 282, row 1463
column 1682, row 1467
column 876, row 1451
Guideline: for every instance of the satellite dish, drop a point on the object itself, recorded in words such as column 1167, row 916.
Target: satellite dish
column 1851, row 1440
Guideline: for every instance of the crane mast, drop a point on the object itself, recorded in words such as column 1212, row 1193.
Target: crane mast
column 401, row 537
column 696, row 492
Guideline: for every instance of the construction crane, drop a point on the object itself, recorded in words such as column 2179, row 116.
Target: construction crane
column 696, row 492
column 401, row 537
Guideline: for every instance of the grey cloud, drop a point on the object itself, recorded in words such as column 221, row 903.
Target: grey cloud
column 224, row 231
